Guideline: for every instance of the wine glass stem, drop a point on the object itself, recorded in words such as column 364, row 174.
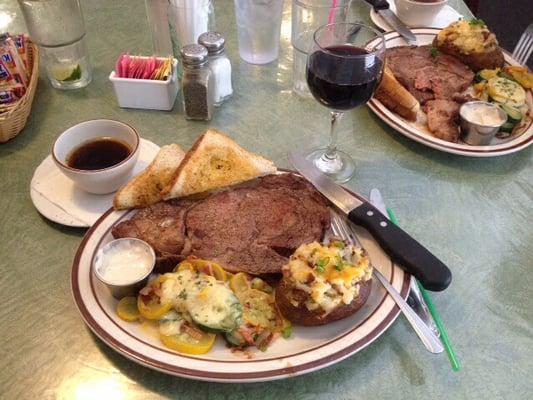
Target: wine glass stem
column 331, row 151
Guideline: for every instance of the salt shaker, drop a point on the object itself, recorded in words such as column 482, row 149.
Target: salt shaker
column 196, row 83
column 219, row 65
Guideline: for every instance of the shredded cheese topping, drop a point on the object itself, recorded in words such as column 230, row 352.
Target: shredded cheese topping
column 469, row 38
column 329, row 274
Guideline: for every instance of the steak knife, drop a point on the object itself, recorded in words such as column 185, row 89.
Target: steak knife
column 382, row 7
column 402, row 248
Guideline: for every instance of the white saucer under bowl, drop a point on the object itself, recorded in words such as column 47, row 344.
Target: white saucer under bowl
column 445, row 16
column 68, row 205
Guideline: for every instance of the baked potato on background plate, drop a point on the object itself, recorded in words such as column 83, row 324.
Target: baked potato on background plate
column 472, row 43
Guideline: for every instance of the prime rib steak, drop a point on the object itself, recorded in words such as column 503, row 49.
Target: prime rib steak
column 253, row 227
column 436, row 80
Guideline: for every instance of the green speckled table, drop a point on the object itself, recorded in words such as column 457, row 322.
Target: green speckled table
column 475, row 214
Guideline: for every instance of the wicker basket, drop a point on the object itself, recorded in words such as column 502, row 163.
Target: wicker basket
column 13, row 120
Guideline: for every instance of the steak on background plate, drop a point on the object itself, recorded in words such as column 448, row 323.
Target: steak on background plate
column 253, row 227
column 436, row 80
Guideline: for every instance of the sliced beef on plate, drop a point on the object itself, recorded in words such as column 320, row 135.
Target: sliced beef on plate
column 253, row 227
column 442, row 119
column 428, row 77
column 256, row 229
column 162, row 225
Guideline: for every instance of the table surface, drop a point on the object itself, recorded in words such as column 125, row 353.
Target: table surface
column 472, row 213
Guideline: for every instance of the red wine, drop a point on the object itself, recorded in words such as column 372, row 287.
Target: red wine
column 341, row 77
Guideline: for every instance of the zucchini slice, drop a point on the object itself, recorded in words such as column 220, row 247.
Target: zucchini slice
column 513, row 115
column 215, row 307
column 507, row 127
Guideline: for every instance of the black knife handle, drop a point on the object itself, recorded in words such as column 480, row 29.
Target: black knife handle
column 378, row 4
column 402, row 248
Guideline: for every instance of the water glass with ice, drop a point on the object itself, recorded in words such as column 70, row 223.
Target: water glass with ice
column 57, row 27
column 258, row 29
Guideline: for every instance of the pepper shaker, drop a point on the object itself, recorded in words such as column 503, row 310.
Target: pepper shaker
column 197, row 83
column 219, row 65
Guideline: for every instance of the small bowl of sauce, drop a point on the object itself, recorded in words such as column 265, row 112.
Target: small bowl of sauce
column 480, row 121
column 100, row 153
column 124, row 266
column 97, row 155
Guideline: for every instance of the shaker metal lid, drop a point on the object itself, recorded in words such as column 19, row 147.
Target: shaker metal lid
column 193, row 54
column 213, row 41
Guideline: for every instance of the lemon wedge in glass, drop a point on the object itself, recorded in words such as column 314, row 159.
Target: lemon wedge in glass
column 66, row 72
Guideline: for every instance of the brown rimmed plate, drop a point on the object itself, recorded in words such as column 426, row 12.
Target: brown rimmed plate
column 418, row 130
column 307, row 350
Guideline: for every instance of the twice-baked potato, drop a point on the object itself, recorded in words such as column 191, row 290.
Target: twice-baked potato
column 472, row 43
column 322, row 284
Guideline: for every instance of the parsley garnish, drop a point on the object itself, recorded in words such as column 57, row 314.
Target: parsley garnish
column 434, row 52
column 339, row 244
column 287, row 332
column 321, row 264
column 339, row 265
column 477, row 21
column 183, row 295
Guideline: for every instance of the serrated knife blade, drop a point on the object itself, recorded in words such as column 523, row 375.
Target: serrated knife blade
column 383, row 9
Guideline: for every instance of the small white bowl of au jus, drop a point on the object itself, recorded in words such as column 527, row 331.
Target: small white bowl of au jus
column 480, row 121
column 97, row 155
column 124, row 266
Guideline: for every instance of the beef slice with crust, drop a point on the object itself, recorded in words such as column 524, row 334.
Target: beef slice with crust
column 256, row 229
column 442, row 119
column 162, row 225
column 428, row 77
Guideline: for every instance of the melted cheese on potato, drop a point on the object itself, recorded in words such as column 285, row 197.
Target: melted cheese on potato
column 469, row 38
column 329, row 274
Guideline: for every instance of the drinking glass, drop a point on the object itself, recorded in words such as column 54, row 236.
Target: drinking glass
column 307, row 16
column 57, row 27
column 187, row 20
column 157, row 14
column 343, row 70
column 258, row 29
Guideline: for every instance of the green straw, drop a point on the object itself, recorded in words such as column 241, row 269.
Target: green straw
column 440, row 326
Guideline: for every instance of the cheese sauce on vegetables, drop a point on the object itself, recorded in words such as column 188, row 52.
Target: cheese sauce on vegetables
column 208, row 301
column 329, row 274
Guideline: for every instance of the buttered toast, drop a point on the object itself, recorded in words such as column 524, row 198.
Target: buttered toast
column 145, row 188
column 213, row 162
column 395, row 97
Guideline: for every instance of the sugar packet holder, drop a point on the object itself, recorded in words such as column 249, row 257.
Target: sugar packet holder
column 151, row 94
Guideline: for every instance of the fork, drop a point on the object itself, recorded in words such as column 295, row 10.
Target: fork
column 341, row 229
column 524, row 47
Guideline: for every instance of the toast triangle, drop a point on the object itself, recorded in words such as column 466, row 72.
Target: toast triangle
column 145, row 188
column 395, row 97
column 213, row 162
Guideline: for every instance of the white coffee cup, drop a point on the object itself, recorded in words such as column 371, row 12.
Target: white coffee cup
column 418, row 13
column 100, row 181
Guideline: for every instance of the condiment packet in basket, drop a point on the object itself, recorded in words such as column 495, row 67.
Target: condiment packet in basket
column 14, row 73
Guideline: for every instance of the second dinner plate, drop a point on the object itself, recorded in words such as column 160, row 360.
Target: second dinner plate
column 308, row 349
column 419, row 131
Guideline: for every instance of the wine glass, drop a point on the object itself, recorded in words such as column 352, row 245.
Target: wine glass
column 344, row 67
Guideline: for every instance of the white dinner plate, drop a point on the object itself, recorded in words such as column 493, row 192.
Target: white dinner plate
column 445, row 16
column 308, row 349
column 72, row 206
column 419, row 131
